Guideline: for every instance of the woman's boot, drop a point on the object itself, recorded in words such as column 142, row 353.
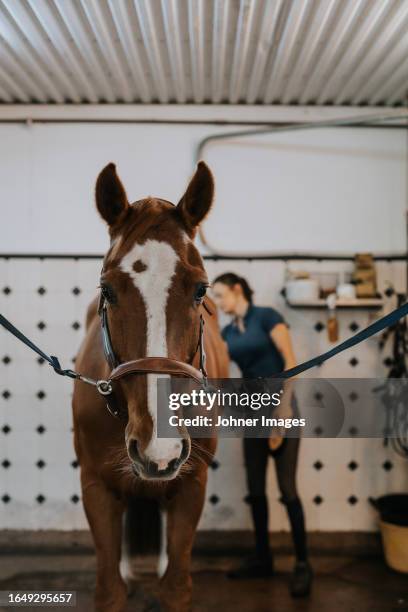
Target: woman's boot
column 302, row 576
column 259, row 565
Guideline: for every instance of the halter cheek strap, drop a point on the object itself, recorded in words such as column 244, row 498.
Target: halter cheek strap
column 203, row 356
column 106, row 339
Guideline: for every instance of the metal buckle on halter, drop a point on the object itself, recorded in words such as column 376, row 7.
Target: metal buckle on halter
column 104, row 387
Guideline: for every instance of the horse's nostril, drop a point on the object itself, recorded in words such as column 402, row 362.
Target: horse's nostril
column 185, row 451
column 133, row 450
column 173, row 463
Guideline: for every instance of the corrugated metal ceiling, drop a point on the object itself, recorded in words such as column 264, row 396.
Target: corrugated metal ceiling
column 342, row 52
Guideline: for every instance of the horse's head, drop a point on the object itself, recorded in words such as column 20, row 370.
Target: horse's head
column 153, row 282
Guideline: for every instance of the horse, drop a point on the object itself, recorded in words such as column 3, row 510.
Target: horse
column 153, row 298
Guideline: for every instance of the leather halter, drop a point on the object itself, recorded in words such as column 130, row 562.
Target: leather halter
column 144, row 365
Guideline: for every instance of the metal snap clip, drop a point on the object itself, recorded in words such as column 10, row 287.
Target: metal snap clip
column 104, row 387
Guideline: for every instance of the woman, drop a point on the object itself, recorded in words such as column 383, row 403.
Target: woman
column 259, row 342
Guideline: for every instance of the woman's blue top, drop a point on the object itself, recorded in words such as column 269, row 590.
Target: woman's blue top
column 253, row 349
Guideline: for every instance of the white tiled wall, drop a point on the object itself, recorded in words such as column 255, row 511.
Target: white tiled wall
column 22, row 446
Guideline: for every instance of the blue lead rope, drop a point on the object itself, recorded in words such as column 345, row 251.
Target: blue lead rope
column 372, row 329
column 52, row 360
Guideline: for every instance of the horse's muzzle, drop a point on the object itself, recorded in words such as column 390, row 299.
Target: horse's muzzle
column 145, row 468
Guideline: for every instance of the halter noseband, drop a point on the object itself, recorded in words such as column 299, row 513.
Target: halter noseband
column 144, row 365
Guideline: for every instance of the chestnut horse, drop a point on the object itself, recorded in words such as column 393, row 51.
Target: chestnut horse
column 153, row 283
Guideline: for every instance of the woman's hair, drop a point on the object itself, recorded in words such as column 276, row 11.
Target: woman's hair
column 231, row 279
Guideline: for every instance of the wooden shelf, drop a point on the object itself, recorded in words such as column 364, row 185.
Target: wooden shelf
column 362, row 303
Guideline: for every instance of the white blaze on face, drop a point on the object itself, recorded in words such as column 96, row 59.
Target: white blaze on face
column 159, row 260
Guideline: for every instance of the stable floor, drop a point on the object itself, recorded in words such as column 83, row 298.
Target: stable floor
column 341, row 584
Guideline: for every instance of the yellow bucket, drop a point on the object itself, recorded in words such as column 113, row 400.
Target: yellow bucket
column 395, row 544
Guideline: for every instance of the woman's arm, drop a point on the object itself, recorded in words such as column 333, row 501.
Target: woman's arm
column 281, row 337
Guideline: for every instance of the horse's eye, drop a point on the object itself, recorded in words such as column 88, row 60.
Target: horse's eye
column 108, row 294
column 200, row 292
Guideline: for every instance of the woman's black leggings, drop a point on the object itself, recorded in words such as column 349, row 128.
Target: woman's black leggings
column 256, row 454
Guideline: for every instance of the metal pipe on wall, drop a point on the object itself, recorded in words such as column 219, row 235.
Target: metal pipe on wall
column 369, row 121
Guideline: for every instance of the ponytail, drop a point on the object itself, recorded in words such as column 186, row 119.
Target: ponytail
column 230, row 279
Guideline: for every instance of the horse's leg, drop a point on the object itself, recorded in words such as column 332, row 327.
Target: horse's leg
column 183, row 514
column 104, row 513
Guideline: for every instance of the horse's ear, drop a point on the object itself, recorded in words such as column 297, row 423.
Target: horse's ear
column 197, row 200
column 111, row 199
